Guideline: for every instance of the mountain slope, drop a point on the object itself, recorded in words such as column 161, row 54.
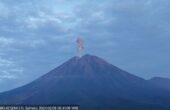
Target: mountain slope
column 91, row 83
column 161, row 82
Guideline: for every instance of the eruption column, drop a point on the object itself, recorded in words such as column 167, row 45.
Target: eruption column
column 80, row 45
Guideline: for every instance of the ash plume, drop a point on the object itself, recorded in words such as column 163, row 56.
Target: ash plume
column 80, row 46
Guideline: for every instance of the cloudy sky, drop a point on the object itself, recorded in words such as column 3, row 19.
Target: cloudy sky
column 38, row 35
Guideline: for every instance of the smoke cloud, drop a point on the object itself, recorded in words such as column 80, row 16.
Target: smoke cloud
column 80, row 45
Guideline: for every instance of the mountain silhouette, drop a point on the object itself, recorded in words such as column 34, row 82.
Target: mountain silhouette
column 93, row 84
column 161, row 82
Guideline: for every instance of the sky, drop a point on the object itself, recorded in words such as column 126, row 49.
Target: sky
column 39, row 35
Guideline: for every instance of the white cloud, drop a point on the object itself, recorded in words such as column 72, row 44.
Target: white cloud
column 6, row 41
column 4, row 11
column 37, row 43
column 6, row 75
column 38, row 21
column 5, row 63
column 9, row 69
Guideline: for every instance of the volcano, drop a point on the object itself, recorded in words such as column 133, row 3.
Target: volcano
column 93, row 84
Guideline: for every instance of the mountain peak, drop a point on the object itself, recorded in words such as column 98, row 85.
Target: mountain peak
column 90, row 66
column 88, row 58
column 85, row 64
